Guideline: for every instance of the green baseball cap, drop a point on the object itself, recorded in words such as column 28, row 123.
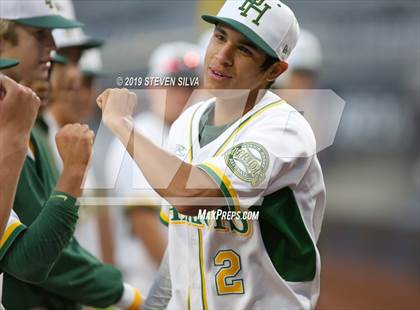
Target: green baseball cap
column 35, row 13
column 58, row 58
column 270, row 25
column 8, row 63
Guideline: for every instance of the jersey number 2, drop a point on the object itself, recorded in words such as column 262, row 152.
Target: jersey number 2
column 230, row 263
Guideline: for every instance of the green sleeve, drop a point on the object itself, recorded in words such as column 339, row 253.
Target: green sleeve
column 85, row 279
column 33, row 253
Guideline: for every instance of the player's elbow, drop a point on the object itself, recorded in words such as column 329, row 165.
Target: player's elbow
column 33, row 275
column 188, row 210
column 192, row 201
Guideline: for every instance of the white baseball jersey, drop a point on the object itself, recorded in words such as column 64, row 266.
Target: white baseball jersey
column 13, row 229
column 269, row 263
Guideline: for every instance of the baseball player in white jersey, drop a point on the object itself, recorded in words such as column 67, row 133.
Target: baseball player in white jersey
column 251, row 151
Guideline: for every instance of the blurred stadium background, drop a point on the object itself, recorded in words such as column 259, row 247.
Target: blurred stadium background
column 370, row 242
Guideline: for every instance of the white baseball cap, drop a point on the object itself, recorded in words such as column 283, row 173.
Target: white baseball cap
column 35, row 13
column 175, row 58
column 270, row 25
column 307, row 54
column 91, row 63
column 72, row 37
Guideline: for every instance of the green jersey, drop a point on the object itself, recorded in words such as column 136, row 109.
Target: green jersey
column 77, row 277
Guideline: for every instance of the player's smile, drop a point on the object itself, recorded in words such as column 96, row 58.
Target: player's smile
column 218, row 75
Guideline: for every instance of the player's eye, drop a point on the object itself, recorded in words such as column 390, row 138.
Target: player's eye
column 245, row 50
column 39, row 34
column 218, row 37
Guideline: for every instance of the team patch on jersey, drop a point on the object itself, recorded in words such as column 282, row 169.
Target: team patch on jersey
column 180, row 150
column 248, row 161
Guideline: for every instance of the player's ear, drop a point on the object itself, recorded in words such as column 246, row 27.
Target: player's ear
column 276, row 70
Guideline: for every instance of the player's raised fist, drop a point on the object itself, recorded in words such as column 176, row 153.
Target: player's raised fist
column 18, row 106
column 41, row 88
column 74, row 143
column 117, row 106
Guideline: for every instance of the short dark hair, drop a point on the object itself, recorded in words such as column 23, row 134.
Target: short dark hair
column 268, row 62
column 8, row 31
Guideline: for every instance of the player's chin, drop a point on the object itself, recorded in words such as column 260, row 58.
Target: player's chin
column 214, row 85
column 39, row 75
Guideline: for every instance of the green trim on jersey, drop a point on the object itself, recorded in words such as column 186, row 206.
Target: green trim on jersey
column 190, row 154
column 163, row 221
column 246, row 121
column 9, row 236
column 223, row 187
column 285, row 237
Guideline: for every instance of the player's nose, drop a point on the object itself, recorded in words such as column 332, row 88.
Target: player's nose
column 225, row 55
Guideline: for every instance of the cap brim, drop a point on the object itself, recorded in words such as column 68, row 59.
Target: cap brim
column 50, row 21
column 94, row 73
column 84, row 44
column 247, row 32
column 8, row 63
column 57, row 58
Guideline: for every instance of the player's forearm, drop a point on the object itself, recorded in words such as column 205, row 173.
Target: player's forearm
column 35, row 252
column 182, row 184
column 12, row 155
column 70, row 181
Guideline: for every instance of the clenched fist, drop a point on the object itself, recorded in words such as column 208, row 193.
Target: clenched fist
column 41, row 88
column 18, row 107
column 117, row 107
column 74, row 144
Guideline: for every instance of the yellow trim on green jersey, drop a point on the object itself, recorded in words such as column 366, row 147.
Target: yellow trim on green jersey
column 9, row 231
column 246, row 121
column 202, row 274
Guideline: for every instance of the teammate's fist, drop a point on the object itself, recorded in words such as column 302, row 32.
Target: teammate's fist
column 41, row 89
column 74, row 144
column 117, row 106
column 18, row 107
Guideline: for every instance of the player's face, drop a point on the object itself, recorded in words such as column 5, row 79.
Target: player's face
column 87, row 97
column 232, row 62
column 67, row 77
column 66, row 80
column 32, row 50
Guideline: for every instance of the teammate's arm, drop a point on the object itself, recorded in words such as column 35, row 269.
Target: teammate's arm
column 18, row 109
column 34, row 252
column 158, row 166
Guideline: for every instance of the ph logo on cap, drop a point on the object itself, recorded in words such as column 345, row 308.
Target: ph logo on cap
column 257, row 5
column 269, row 24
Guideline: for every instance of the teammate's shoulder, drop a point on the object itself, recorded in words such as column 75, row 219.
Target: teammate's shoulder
column 282, row 118
column 283, row 110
